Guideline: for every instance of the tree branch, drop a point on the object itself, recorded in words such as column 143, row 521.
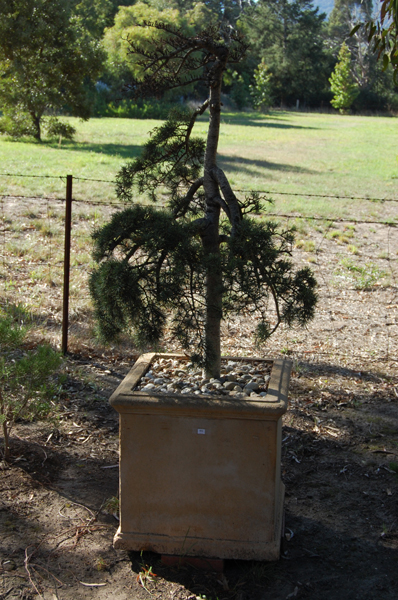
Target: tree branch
column 188, row 198
column 199, row 111
column 234, row 211
column 218, row 200
column 201, row 224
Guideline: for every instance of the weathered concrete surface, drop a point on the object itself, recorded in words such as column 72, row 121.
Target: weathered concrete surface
column 201, row 476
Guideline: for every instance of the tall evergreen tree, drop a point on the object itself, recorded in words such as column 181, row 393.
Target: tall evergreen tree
column 346, row 14
column 341, row 82
column 288, row 36
column 375, row 86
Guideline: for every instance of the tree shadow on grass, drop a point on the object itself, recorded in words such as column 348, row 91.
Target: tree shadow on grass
column 257, row 120
column 124, row 151
column 249, row 165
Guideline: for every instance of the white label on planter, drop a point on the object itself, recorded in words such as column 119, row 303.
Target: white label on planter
column 202, row 431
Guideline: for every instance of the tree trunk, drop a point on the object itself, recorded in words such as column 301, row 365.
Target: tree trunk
column 210, row 237
column 6, row 442
column 5, row 428
column 36, row 123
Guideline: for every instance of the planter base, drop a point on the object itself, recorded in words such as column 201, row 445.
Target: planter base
column 199, row 547
column 201, row 476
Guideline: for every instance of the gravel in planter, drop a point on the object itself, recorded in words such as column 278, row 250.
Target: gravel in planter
column 238, row 378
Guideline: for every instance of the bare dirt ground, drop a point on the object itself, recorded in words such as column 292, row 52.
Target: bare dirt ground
column 340, row 456
column 340, row 459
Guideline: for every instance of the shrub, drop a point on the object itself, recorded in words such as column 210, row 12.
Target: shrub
column 126, row 109
column 56, row 128
column 16, row 123
column 25, row 378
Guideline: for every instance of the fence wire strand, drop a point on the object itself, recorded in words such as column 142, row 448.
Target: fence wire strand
column 244, row 191
column 383, row 323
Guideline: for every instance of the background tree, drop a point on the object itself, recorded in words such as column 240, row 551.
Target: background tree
column 187, row 261
column 341, row 82
column 122, row 68
column 47, row 58
column 261, row 90
column 382, row 32
column 94, row 15
column 288, row 36
column 128, row 29
column 343, row 18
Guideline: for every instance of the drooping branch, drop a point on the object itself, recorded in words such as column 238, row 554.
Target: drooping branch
column 254, row 203
column 182, row 205
column 171, row 157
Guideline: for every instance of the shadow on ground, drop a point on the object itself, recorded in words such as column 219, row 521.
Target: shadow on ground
column 341, row 537
column 255, row 120
column 249, row 165
column 125, row 151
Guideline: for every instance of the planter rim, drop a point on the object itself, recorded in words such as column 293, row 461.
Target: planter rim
column 126, row 400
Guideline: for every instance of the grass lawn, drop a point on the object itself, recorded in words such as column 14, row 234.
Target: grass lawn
column 291, row 152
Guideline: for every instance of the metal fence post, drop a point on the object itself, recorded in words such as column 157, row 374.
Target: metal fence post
column 68, row 226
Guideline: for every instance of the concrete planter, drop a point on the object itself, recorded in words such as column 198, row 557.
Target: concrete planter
column 200, row 476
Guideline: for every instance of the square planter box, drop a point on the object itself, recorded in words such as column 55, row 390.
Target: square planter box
column 200, row 476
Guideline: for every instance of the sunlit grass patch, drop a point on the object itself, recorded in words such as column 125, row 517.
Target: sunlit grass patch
column 361, row 276
column 306, row 245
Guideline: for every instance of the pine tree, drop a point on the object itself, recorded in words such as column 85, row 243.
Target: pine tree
column 261, row 91
column 200, row 257
column 341, row 82
column 288, row 36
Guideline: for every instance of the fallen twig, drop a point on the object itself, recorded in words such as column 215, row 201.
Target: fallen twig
column 11, row 574
column 87, row 438
column 89, row 529
column 93, row 515
column 26, row 563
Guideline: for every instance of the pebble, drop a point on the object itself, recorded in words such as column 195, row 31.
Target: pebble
column 229, row 385
column 238, row 379
column 173, row 386
column 149, row 386
column 252, row 385
column 232, row 377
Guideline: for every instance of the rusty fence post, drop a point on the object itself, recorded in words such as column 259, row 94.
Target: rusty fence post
column 68, row 226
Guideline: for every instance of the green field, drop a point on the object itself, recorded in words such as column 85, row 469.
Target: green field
column 291, row 152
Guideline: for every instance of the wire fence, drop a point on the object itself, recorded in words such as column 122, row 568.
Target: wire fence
column 354, row 260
